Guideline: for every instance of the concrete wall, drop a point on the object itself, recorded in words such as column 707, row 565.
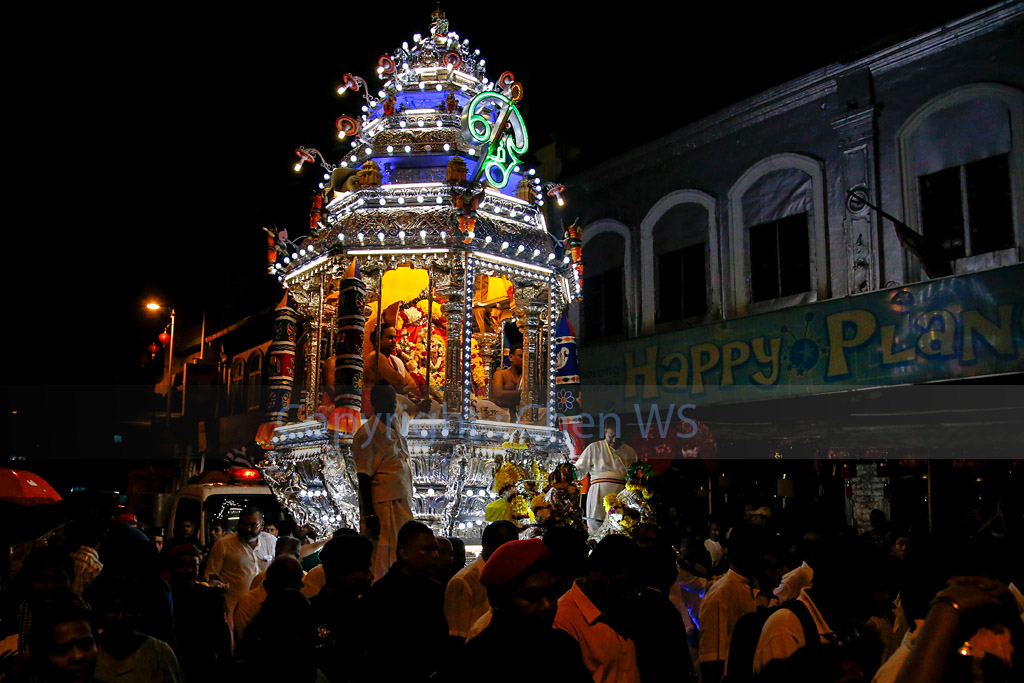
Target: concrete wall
column 843, row 119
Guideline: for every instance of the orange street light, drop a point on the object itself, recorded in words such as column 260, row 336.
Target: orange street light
column 154, row 306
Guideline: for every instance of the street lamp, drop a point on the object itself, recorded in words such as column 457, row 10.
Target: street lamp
column 154, row 306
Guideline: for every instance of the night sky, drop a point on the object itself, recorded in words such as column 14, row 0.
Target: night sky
column 153, row 144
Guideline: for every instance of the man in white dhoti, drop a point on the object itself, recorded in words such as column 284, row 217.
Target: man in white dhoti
column 384, row 470
column 606, row 462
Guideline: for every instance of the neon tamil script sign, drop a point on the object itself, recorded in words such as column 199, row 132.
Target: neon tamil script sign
column 485, row 121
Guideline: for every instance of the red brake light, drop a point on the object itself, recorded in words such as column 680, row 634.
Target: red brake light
column 245, row 474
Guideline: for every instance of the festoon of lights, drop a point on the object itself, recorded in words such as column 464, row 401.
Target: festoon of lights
column 465, row 71
column 491, row 122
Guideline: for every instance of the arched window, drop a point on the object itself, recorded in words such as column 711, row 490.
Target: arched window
column 962, row 165
column 680, row 278
column 607, row 288
column 237, row 386
column 777, row 234
column 255, row 380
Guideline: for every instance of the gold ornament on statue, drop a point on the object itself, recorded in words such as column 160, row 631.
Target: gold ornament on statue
column 369, row 174
column 456, row 171
column 524, row 190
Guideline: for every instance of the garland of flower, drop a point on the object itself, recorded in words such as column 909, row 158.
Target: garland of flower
column 509, row 483
column 507, row 476
column 636, row 479
column 625, row 510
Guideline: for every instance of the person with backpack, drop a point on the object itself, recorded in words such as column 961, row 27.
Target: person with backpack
column 819, row 615
column 746, row 636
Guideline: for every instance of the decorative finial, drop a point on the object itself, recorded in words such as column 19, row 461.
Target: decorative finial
column 438, row 23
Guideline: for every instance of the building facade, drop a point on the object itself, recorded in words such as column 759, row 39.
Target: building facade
column 742, row 264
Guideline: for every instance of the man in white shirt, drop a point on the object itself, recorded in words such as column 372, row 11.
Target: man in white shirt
column 465, row 598
column 237, row 558
column 384, row 471
column 728, row 599
column 713, row 543
column 606, row 462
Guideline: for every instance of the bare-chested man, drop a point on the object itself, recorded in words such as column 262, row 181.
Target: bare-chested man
column 385, row 366
column 508, row 382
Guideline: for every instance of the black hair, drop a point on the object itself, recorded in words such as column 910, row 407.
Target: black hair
column 287, row 542
column 410, row 530
column 346, row 553
column 614, row 552
column 514, row 346
column 378, row 332
column 747, row 543
column 658, row 565
column 495, row 532
column 251, row 510
column 281, row 570
column 345, row 531
column 43, row 622
column 458, row 553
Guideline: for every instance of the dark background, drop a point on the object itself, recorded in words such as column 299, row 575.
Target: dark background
column 148, row 146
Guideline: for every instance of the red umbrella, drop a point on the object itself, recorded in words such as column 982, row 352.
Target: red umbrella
column 25, row 488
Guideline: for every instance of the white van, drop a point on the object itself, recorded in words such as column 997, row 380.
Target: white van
column 221, row 496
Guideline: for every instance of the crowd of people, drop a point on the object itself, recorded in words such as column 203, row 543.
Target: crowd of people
column 720, row 600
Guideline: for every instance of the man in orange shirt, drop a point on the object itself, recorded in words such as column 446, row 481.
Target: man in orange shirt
column 592, row 609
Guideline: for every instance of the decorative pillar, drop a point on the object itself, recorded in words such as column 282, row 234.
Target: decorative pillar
column 452, row 285
column 348, row 351
column 858, row 172
column 280, row 369
column 489, row 343
column 532, row 300
column 567, row 383
column 314, row 352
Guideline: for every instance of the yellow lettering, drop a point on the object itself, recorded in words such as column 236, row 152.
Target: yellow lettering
column 1000, row 337
column 766, row 357
column 676, row 377
column 647, row 374
column 732, row 360
column 703, row 357
column 943, row 336
column 864, row 326
column 888, row 344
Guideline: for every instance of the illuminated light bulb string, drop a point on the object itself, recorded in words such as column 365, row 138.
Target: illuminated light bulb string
column 477, row 120
column 439, row 61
